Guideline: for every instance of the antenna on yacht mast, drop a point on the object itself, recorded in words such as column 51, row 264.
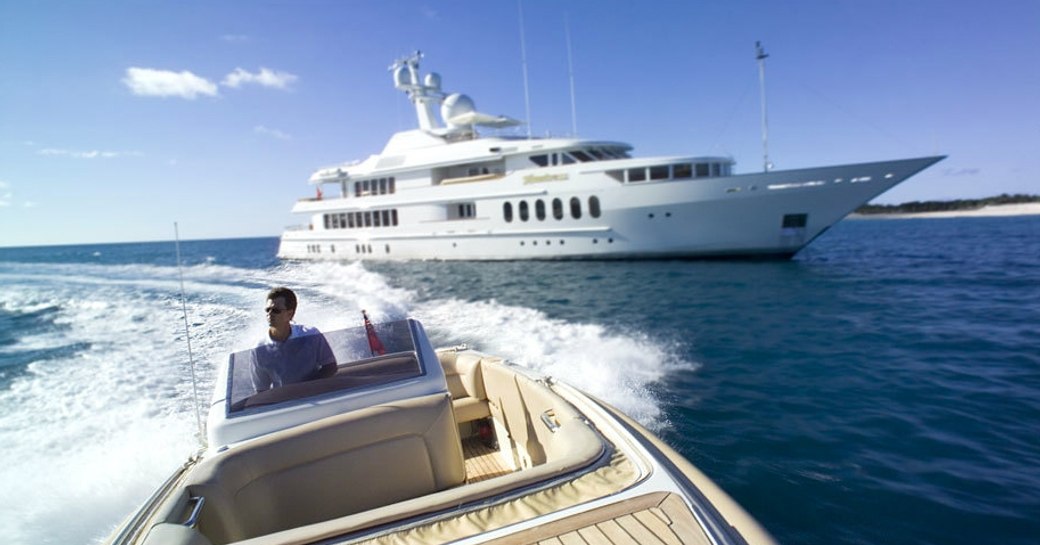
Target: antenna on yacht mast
column 187, row 334
column 570, row 72
column 523, row 60
column 760, row 55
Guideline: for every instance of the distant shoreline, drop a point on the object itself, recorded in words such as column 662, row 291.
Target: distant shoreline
column 1019, row 209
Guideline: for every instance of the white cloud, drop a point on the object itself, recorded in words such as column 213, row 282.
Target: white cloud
column 164, row 83
column 275, row 133
column 4, row 185
column 92, row 154
column 265, row 77
column 5, row 199
column 28, row 204
column 235, row 38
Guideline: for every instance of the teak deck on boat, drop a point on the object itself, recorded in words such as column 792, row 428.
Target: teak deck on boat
column 482, row 462
column 658, row 518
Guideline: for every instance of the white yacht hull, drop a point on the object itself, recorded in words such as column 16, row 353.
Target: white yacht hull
column 772, row 214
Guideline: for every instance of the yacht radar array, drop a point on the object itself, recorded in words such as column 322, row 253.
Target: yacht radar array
column 457, row 110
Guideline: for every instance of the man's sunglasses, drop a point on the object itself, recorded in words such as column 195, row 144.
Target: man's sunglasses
column 275, row 310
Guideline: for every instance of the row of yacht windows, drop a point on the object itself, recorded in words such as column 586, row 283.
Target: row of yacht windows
column 524, row 209
column 584, row 155
column 679, row 171
column 375, row 186
column 352, row 220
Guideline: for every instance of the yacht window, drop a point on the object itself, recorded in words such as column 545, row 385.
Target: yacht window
column 375, row 219
column 659, row 172
column 597, row 153
column 466, row 210
column 540, row 160
column 393, row 216
column 792, row 221
column 382, row 186
column 539, row 209
column 368, row 219
column 575, row 208
column 507, row 212
column 702, row 170
column 557, row 209
column 714, row 169
column 357, row 189
column 523, row 211
column 566, row 159
column 682, row 171
column 555, row 159
column 594, row 206
column 582, row 156
column 350, row 220
column 328, row 222
column 618, row 175
column 386, row 218
column 637, row 175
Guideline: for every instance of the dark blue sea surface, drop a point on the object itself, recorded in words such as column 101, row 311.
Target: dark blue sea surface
column 881, row 387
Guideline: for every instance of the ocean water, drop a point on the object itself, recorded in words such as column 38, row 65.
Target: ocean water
column 882, row 387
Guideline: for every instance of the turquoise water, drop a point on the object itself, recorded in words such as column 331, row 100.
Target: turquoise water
column 882, row 387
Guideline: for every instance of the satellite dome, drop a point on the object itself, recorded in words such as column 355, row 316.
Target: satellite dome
column 402, row 77
column 456, row 105
column 433, row 80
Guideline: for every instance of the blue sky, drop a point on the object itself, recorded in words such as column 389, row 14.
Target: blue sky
column 119, row 118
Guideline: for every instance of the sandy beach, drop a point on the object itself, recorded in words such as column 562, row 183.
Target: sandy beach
column 1024, row 209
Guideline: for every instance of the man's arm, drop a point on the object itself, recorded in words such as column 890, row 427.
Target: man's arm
column 326, row 359
column 261, row 378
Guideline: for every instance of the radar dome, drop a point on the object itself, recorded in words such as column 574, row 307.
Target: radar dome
column 402, row 77
column 433, row 80
column 455, row 105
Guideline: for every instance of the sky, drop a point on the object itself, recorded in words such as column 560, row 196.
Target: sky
column 119, row 118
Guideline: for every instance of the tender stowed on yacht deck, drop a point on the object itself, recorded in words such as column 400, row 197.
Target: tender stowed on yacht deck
column 363, row 471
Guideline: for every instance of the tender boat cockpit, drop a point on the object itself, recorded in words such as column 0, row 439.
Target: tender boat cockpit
column 391, row 361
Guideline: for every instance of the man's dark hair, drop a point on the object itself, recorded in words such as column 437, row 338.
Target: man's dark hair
column 286, row 293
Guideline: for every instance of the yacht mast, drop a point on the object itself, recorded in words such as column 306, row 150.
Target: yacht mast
column 570, row 73
column 760, row 55
column 523, row 60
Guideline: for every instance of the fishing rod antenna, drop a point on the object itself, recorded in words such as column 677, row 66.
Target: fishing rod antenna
column 187, row 336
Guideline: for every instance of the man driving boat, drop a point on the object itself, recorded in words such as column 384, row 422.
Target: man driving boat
column 289, row 352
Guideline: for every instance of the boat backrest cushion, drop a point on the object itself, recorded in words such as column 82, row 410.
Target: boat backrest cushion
column 330, row 468
column 466, row 383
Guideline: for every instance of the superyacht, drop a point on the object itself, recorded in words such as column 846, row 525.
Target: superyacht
column 444, row 191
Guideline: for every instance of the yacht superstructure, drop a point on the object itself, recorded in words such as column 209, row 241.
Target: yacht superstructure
column 443, row 191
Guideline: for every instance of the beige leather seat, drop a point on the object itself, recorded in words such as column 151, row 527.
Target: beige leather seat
column 330, row 468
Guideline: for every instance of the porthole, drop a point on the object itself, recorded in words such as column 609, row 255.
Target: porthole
column 575, row 208
column 557, row 206
column 523, row 211
column 539, row 210
column 507, row 212
column 594, row 206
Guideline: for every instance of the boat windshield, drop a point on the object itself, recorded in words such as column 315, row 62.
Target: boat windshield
column 293, row 370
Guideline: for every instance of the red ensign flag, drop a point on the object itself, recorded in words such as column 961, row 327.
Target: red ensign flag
column 374, row 343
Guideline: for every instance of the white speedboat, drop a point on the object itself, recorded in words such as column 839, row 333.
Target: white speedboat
column 405, row 444
column 443, row 191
